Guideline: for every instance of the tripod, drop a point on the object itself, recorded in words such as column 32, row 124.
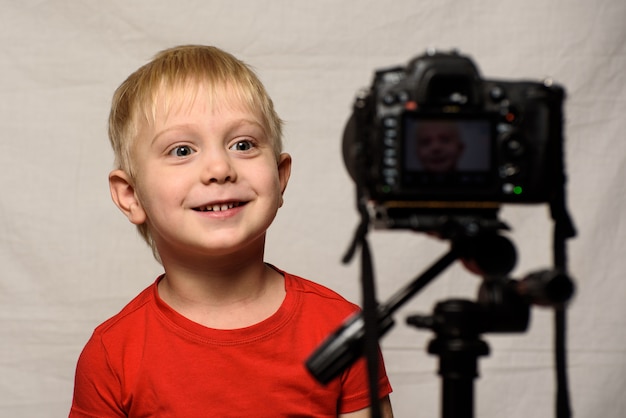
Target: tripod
column 503, row 305
column 458, row 323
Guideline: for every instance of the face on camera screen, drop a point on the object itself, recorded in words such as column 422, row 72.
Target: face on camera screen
column 447, row 151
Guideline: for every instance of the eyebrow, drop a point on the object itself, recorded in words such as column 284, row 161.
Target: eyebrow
column 231, row 125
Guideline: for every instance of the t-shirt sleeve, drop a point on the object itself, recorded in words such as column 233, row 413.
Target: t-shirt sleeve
column 97, row 389
column 355, row 384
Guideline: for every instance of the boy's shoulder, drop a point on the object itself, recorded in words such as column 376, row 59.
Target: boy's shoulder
column 300, row 284
column 130, row 313
column 316, row 293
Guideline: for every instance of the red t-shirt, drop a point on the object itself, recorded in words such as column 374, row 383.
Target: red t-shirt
column 150, row 361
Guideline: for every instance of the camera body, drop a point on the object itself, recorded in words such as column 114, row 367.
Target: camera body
column 434, row 139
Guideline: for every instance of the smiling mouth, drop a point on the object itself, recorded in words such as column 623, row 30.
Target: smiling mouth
column 218, row 207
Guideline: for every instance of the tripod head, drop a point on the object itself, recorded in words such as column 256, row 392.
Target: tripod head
column 503, row 305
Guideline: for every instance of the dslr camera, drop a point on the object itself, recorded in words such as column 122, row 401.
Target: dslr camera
column 432, row 143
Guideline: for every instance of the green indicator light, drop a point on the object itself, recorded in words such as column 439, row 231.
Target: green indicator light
column 386, row 189
column 517, row 190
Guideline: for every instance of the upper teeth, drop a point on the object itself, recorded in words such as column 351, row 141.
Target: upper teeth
column 218, row 208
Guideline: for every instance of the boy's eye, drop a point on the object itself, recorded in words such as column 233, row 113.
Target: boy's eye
column 181, row 151
column 242, row 146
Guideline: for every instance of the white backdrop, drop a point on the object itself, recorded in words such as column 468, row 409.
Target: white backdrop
column 69, row 259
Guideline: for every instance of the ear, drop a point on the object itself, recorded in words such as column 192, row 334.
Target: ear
column 284, row 171
column 125, row 198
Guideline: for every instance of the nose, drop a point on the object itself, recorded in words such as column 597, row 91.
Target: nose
column 217, row 167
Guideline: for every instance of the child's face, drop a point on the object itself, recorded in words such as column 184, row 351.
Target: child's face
column 207, row 180
column 438, row 146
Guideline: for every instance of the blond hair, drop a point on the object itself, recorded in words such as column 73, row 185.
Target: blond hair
column 136, row 99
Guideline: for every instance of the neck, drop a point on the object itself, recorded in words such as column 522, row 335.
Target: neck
column 223, row 292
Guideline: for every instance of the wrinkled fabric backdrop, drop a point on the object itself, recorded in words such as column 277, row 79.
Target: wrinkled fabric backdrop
column 69, row 259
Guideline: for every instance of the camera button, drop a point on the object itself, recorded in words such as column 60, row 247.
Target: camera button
column 390, row 122
column 389, row 99
column 514, row 147
column 507, row 188
column 509, row 170
column 497, row 93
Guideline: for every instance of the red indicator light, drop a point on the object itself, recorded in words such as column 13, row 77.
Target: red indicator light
column 410, row 105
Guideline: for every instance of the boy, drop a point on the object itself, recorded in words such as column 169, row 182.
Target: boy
column 439, row 146
column 221, row 333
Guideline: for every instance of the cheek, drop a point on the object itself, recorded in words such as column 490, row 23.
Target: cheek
column 272, row 187
column 157, row 191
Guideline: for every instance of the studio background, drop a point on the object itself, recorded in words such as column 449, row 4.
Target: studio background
column 69, row 259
